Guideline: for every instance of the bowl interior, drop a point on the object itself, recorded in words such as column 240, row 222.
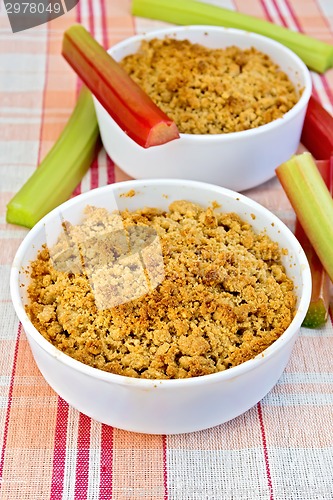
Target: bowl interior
column 159, row 193
column 219, row 37
column 237, row 160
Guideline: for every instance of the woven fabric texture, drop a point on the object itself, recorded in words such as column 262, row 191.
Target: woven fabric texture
column 281, row 449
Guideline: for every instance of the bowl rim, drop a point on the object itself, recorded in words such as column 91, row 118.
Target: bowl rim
column 231, row 136
column 142, row 383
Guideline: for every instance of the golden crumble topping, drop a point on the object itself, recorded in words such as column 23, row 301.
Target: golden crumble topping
column 161, row 294
column 211, row 91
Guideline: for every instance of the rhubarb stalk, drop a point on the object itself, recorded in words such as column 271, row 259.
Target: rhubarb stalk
column 317, row 133
column 317, row 55
column 62, row 169
column 130, row 107
column 320, row 298
column 312, row 203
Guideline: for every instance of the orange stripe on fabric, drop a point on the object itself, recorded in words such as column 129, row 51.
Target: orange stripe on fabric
column 26, row 474
column 310, row 19
column 9, row 249
column 30, row 428
column 26, row 365
column 119, row 21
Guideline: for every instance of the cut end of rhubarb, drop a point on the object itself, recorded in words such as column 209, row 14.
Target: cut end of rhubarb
column 316, row 315
column 25, row 218
column 162, row 133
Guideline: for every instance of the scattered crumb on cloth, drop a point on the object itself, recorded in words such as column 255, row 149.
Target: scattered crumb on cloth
column 223, row 299
column 211, row 91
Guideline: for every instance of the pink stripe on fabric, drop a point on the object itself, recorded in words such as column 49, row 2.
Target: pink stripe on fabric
column 111, row 176
column 109, row 163
column 91, row 18
column 82, row 460
column 94, row 166
column 9, row 405
column 77, row 190
column 266, row 11
column 106, row 472
column 59, row 454
column 315, row 92
column 79, row 81
column 78, row 13
column 327, row 88
column 104, row 25
column 44, row 96
column 264, row 444
column 165, row 467
column 94, row 175
column 293, row 15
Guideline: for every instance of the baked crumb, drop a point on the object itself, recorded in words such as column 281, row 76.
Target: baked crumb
column 220, row 298
column 211, row 91
column 129, row 194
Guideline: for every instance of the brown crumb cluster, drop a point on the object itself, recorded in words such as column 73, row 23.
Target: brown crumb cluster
column 194, row 291
column 211, row 91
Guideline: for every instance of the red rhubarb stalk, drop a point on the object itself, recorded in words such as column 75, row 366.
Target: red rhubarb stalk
column 130, row 107
column 317, row 313
column 317, row 133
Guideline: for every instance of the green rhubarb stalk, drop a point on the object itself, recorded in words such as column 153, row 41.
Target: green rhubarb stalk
column 312, row 203
column 317, row 313
column 130, row 107
column 62, row 169
column 317, row 55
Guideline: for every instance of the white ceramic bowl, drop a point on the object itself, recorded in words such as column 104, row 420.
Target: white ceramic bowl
column 161, row 406
column 239, row 160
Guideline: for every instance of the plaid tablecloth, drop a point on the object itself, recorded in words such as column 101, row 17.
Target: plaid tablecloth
column 281, row 449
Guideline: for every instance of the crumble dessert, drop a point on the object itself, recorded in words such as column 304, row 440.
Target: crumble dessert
column 211, row 91
column 218, row 297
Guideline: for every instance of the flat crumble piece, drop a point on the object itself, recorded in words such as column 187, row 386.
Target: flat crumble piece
column 222, row 299
column 211, row 91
